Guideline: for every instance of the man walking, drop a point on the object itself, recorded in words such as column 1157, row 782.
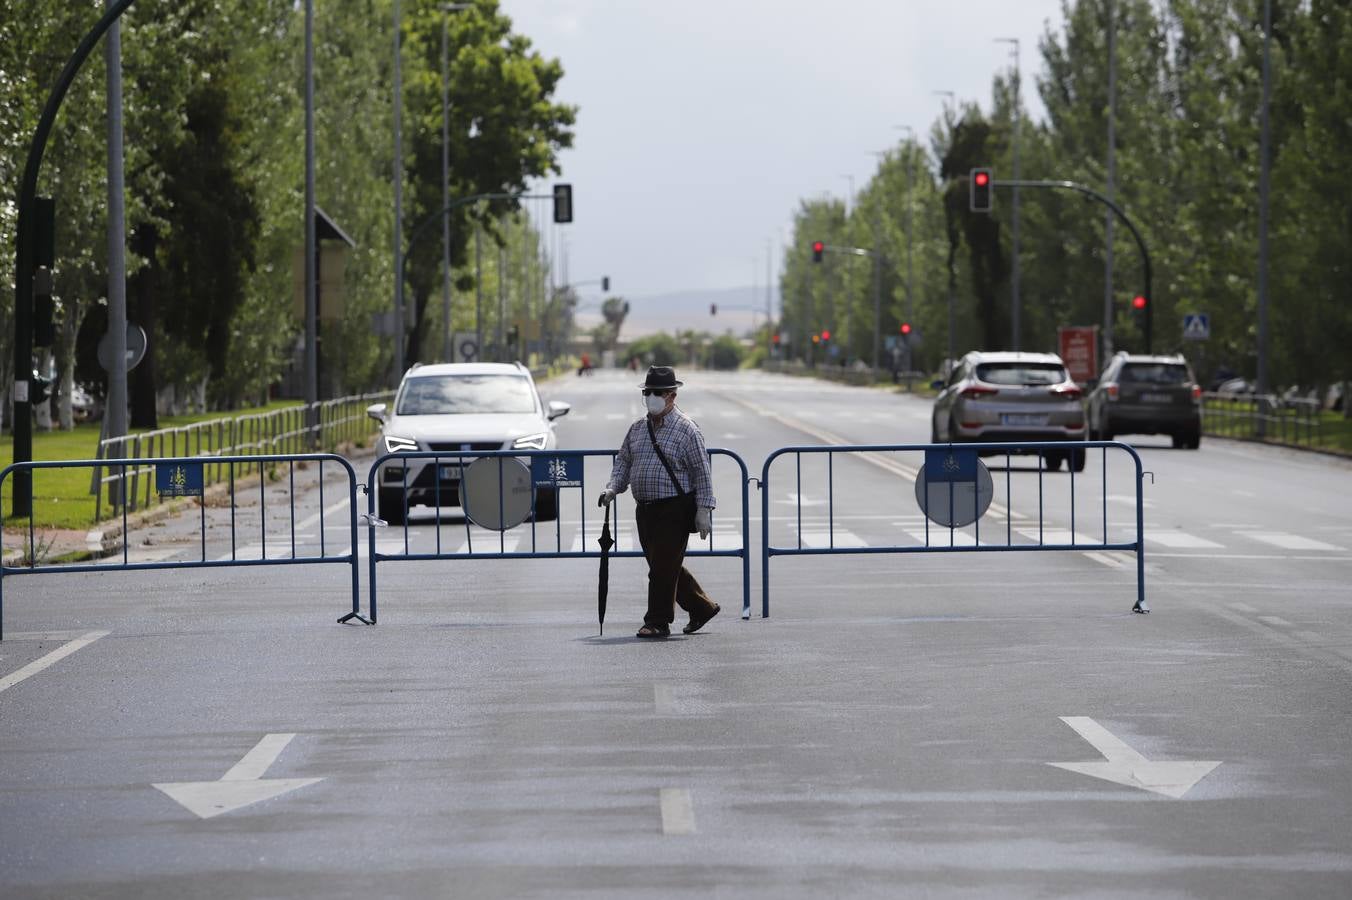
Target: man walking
column 664, row 459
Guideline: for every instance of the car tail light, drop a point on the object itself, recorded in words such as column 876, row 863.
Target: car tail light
column 971, row 424
column 1111, row 389
column 1197, row 392
column 1068, row 393
column 979, row 392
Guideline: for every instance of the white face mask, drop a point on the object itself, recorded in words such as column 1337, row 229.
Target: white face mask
column 656, row 405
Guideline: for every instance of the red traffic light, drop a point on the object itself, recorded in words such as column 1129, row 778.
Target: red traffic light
column 982, row 178
column 826, row 335
column 905, row 327
column 817, row 249
column 775, row 338
column 1138, row 302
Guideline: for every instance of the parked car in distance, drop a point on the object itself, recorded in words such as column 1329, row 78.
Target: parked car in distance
column 1147, row 395
column 1011, row 396
column 458, row 406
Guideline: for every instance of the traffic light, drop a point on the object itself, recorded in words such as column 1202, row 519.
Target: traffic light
column 774, row 338
column 826, row 335
column 563, row 203
column 713, row 309
column 605, row 284
column 905, row 329
column 1142, row 307
column 513, row 335
column 818, row 248
column 816, row 339
column 979, row 186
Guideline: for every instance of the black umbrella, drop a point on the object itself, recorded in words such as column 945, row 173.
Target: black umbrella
column 603, row 587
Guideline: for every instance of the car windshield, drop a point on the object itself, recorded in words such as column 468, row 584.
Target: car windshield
column 1155, row 373
column 1021, row 373
column 438, row 395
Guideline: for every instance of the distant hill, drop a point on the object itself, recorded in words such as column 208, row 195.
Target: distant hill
column 681, row 310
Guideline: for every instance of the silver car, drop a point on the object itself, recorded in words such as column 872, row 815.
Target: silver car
column 458, row 406
column 1008, row 396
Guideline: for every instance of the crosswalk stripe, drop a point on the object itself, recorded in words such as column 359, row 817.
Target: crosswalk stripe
column 1180, row 540
column 1059, row 536
column 1289, row 541
column 841, row 537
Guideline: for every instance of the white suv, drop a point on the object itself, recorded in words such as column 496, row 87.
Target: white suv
column 458, row 406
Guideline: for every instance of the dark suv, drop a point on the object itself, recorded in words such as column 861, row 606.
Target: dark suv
column 1147, row 395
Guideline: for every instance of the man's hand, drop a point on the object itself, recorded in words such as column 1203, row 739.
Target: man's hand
column 606, row 497
column 704, row 522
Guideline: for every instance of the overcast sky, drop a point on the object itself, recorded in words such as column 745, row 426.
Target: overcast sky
column 702, row 123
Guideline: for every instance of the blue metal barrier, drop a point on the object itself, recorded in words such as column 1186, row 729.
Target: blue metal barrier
column 539, row 549
column 190, row 471
column 1058, row 451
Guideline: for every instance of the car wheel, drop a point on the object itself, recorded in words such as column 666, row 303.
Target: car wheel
column 1106, row 434
column 1053, row 461
column 546, row 504
column 1077, row 460
column 390, row 506
column 1194, row 440
column 1179, row 440
column 934, row 433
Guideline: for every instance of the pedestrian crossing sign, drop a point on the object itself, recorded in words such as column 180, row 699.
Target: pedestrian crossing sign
column 1196, row 326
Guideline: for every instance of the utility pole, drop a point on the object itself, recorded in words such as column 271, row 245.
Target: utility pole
column 1264, row 178
column 117, row 243
column 398, row 201
column 446, row 10
column 952, row 288
column 502, row 293
column 311, row 313
column 478, row 292
column 1111, row 220
column 1014, row 231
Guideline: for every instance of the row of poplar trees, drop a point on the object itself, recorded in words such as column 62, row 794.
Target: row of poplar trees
column 1189, row 92
column 214, row 142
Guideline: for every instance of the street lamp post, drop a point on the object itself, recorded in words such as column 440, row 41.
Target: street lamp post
column 398, row 199
column 910, row 264
column 1014, row 237
column 446, row 9
column 949, row 97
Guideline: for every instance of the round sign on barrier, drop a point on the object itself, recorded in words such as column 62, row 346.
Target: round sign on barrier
column 495, row 492
column 954, row 504
column 469, row 350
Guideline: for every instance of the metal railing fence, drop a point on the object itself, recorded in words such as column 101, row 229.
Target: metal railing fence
column 325, row 425
column 440, row 549
column 1295, row 421
column 232, row 466
column 959, row 540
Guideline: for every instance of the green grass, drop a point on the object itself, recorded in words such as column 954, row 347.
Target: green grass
column 61, row 497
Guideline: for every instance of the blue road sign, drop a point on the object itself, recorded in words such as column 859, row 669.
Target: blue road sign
column 1196, row 326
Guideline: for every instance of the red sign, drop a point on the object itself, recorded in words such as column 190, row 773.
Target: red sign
column 1079, row 351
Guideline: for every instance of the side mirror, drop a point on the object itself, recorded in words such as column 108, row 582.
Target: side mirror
column 557, row 408
column 377, row 412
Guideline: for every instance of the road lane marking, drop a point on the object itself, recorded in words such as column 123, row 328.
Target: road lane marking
column 1059, row 536
column 678, row 811
column 664, row 701
column 50, row 659
column 1106, row 560
column 1275, row 620
column 241, row 786
column 831, row 539
column 315, row 517
column 1291, row 541
column 1125, row 766
column 1181, row 541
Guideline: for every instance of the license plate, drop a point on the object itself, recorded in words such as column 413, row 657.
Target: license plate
column 450, row 473
column 1022, row 419
column 1156, row 398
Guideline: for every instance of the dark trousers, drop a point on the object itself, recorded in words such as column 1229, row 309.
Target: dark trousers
column 663, row 533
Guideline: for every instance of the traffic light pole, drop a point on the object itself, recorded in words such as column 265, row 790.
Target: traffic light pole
column 1140, row 242
column 24, row 250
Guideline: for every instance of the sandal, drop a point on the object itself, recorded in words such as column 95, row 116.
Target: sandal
column 654, row 631
column 697, row 624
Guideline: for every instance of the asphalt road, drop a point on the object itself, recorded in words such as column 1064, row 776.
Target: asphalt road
column 894, row 728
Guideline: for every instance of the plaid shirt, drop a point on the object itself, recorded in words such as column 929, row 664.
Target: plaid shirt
column 637, row 463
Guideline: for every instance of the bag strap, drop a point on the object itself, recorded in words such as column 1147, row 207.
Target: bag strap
column 662, row 456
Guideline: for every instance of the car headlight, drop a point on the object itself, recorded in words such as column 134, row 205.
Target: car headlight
column 399, row 444
column 531, row 441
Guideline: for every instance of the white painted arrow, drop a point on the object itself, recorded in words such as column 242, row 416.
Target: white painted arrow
column 243, row 785
column 1125, row 766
